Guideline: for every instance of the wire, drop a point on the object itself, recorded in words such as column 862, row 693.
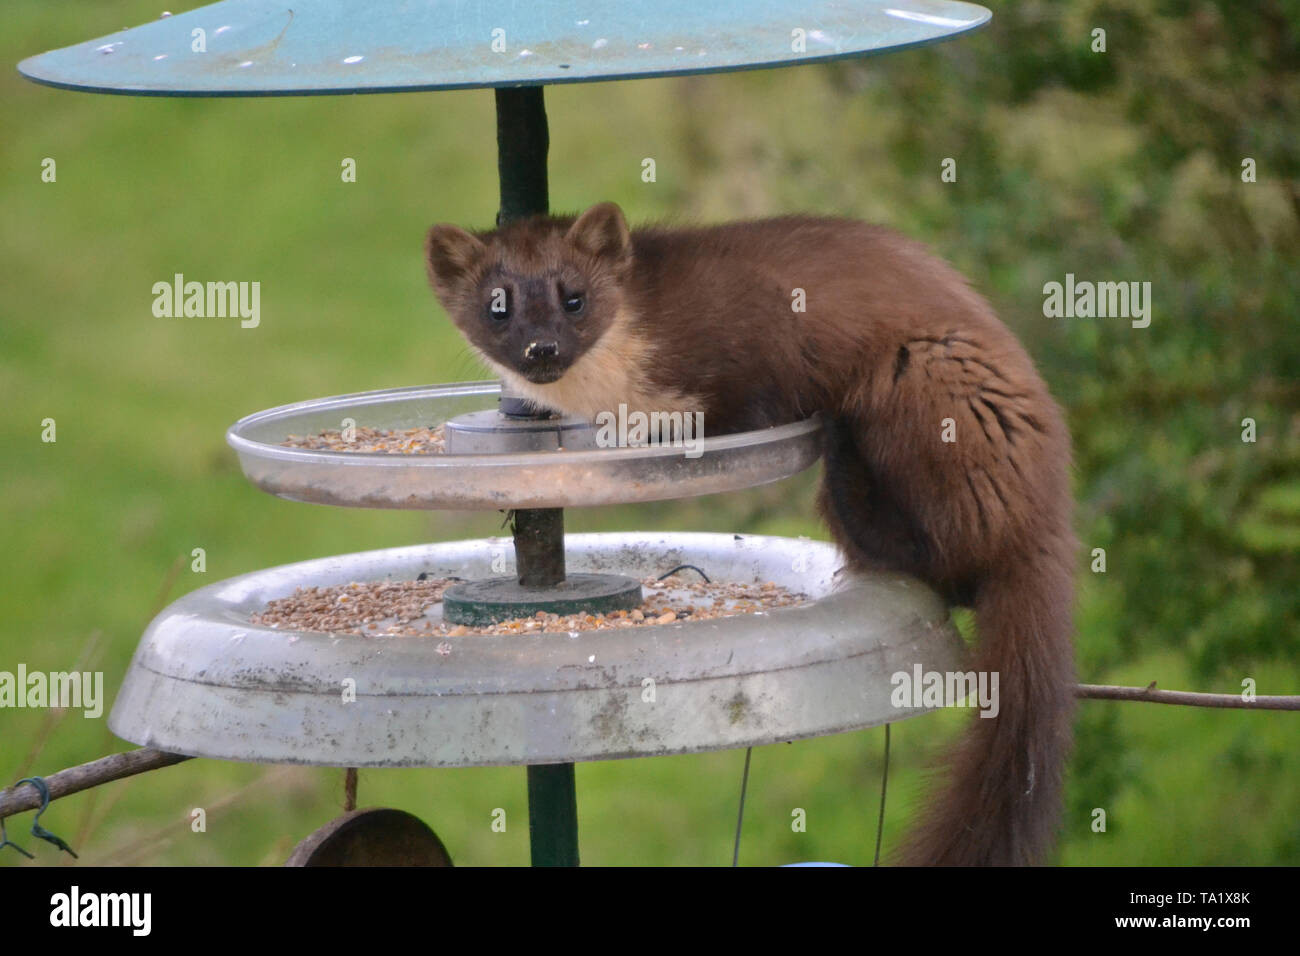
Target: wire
column 683, row 567
column 740, row 817
column 884, row 788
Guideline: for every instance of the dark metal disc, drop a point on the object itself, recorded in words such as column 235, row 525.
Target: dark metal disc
column 486, row 602
column 372, row 837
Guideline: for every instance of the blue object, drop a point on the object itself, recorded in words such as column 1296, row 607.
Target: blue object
column 813, row 864
column 285, row 47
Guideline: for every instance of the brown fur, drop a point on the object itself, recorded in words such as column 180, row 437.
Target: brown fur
column 893, row 342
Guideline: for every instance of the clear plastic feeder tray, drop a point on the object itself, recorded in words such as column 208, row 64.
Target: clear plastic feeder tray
column 538, row 479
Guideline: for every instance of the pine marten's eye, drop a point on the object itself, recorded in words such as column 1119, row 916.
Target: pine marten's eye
column 574, row 302
column 499, row 305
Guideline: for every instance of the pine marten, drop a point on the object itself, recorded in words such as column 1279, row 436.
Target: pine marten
column 894, row 349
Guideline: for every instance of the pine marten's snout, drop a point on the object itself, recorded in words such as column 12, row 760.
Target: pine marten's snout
column 542, row 361
column 540, row 351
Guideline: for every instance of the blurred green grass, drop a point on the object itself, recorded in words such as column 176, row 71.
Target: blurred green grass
column 250, row 190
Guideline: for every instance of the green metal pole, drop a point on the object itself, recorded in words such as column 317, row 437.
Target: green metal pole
column 553, row 815
column 539, row 546
column 522, row 143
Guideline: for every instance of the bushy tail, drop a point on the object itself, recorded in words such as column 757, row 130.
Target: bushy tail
column 999, row 803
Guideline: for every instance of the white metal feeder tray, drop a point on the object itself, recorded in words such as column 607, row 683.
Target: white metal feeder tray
column 207, row 682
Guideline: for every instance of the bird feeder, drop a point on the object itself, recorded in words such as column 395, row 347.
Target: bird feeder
column 207, row 681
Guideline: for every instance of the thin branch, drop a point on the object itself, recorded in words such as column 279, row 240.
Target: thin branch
column 116, row 766
column 1150, row 695
column 98, row 812
column 83, row 777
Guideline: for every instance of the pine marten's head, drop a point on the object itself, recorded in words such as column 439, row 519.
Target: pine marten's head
column 534, row 297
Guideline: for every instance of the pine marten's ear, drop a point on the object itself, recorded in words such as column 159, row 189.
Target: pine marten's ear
column 602, row 232
column 450, row 254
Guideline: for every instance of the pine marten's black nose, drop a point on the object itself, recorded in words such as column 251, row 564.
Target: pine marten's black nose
column 538, row 351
